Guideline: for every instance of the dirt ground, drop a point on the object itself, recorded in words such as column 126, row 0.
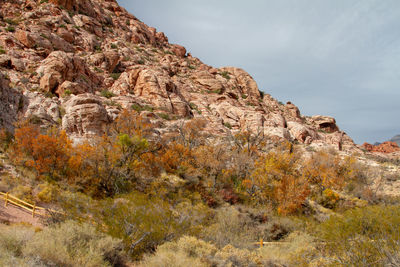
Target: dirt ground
column 13, row 214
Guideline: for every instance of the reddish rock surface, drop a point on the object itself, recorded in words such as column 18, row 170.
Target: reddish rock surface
column 386, row 147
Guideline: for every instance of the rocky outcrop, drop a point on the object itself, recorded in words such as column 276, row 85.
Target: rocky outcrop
column 85, row 61
column 85, row 114
column 11, row 101
column 39, row 107
column 60, row 67
column 325, row 123
column 385, row 147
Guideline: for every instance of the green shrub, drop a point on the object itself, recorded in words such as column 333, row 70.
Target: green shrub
column 107, row 94
column 164, row 116
column 114, row 46
column 11, row 22
column 10, row 29
column 228, row 125
column 96, row 69
column 115, row 76
column 49, row 95
column 2, row 51
column 144, row 222
column 193, row 106
column 225, row 74
column 367, row 236
column 139, row 108
column 67, row 92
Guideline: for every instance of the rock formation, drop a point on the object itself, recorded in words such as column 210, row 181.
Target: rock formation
column 385, row 147
column 78, row 63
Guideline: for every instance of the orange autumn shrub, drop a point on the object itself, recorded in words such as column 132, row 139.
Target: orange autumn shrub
column 279, row 181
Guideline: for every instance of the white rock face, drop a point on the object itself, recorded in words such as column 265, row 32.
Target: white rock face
column 85, row 115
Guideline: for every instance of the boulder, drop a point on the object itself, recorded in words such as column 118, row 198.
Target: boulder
column 245, row 82
column 85, row 115
column 68, row 4
column 299, row 131
column 178, row 50
column 60, row 66
column 325, row 123
column 25, row 38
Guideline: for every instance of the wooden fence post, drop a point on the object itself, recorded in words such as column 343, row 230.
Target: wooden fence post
column 261, row 242
column 33, row 211
column 5, row 203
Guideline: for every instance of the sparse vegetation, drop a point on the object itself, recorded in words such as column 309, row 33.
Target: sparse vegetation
column 67, row 92
column 139, row 108
column 11, row 22
column 164, row 116
column 98, row 48
column 107, row 94
column 10, row 29
column 228, row 125
column 225, row 74
column 115, row 76
column 67, row 244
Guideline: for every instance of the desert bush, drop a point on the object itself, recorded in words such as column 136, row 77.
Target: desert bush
column 367, row 236
column 190, row 251
column 297, row 249
column 328, row 198
column 74, row 244
column 48, row 193
column 23, row 192
column 231, row 227
column 107, row 94
column 187, row 251
column 12, row 242
column 144, row 222
column 13, row 239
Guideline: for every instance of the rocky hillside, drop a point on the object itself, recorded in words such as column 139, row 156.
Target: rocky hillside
column 77, row 64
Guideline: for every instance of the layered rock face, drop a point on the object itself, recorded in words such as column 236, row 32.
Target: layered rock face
column 385, row 147
column 77, row 64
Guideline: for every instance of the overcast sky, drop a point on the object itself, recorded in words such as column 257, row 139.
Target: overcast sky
column 339, row 58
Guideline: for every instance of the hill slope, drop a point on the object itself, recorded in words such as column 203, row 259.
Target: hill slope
column 77, row 64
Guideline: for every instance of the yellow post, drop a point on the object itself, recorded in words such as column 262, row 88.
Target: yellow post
column 33, row 211
column 261, row 243
column 5, row 203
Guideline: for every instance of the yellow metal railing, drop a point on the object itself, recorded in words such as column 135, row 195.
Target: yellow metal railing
column 32, row 208
column 261, row 243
